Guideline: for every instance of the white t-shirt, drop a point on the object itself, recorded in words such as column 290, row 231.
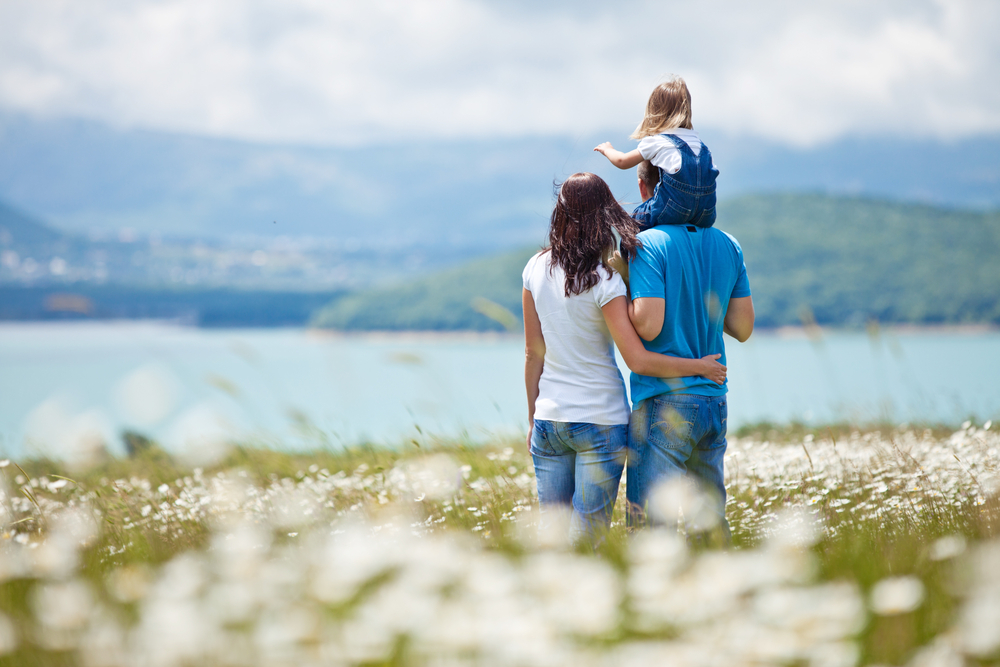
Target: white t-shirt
column 661, row 151
column 580, row 380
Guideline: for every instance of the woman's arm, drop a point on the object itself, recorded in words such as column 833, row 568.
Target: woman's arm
column 619, row 159
column 644, row 362
column 534, row 355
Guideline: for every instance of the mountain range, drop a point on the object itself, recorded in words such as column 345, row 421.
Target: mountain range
column 842, row 261
column 864, row 228
column 476, row 197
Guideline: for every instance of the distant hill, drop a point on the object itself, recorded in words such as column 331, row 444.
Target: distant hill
column 204, row 307
column 850, row 260
column 46, row 274
column 449, row 300
column 19, row 229
column 35, row 254
column 842, row 261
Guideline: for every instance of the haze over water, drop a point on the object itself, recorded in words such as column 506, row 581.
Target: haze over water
column 299, row 388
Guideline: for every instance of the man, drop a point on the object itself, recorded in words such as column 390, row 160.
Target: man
column 688, row 285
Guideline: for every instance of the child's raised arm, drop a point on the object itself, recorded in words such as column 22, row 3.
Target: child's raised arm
column 619, row 159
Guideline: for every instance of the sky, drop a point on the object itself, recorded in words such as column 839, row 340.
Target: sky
column 356, row 74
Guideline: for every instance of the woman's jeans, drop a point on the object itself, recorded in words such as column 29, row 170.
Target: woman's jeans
column 579, row 465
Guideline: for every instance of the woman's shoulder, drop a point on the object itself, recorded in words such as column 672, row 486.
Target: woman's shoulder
column 609, row 286
column 537, row 267
column 539, row 259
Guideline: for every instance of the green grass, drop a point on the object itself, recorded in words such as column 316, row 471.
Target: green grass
column 882, row 499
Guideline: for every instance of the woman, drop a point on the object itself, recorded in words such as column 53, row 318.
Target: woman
column 574, row 306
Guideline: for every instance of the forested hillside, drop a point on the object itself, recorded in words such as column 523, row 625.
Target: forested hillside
column 851, row 260
column 449, row 300
column 843, row 261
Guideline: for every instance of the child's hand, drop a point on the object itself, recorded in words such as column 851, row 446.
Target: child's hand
column 617, row 158
column 604, row 148
column 713, row 370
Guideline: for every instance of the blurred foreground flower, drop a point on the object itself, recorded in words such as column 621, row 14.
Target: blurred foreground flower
column 442, row 559
column 897, row 595
column 200, row 436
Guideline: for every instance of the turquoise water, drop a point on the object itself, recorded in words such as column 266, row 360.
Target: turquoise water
column 67, row 382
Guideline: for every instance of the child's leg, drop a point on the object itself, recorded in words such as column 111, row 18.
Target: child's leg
column 641, row 215
column 665, row 207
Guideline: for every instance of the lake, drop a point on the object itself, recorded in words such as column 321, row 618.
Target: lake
column 70, row 382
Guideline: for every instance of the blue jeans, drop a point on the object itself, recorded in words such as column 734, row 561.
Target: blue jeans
column 677, row 434
column 579, row 465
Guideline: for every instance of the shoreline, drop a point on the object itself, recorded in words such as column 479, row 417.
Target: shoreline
column 880, row 330
column 790, row 332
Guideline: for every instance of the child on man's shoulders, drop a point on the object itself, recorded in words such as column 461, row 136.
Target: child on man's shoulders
column 684, row 190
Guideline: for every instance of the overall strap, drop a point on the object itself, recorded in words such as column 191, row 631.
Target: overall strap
column 705, row 151
column 707, row 165
column 680, row 144
column 703, row 181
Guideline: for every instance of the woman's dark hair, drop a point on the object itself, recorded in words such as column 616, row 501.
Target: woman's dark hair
column 580, row 236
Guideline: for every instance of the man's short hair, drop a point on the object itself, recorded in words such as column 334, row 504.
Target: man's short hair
column 648, row 174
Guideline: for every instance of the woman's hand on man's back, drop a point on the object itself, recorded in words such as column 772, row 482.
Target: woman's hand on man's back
column 714, row 371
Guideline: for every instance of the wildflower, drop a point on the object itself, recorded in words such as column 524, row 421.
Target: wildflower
column 897, row 595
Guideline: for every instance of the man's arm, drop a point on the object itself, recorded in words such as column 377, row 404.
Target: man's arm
column 739, row 318
column 646, row 314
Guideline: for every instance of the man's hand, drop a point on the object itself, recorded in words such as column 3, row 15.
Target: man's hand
column 619, row 266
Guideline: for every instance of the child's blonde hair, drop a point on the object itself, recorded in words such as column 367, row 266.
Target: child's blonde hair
column 669, row 106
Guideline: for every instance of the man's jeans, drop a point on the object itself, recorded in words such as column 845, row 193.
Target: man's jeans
column 579, row 465
column 676, row 434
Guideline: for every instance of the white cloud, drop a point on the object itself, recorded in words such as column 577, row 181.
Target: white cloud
column 353, row 72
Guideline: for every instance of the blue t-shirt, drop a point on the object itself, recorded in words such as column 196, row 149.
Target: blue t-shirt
column 696, row 272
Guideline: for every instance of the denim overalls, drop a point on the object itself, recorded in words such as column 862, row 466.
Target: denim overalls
column 684, row 198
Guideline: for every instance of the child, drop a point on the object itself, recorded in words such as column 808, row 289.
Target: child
column 685, row 194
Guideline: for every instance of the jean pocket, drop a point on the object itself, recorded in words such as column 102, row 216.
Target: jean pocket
column 605, row 439
column 580, row 436
column 677, row 208
column 707, row 217
column 672, row 423
column 722, row 425
column 541, row 439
